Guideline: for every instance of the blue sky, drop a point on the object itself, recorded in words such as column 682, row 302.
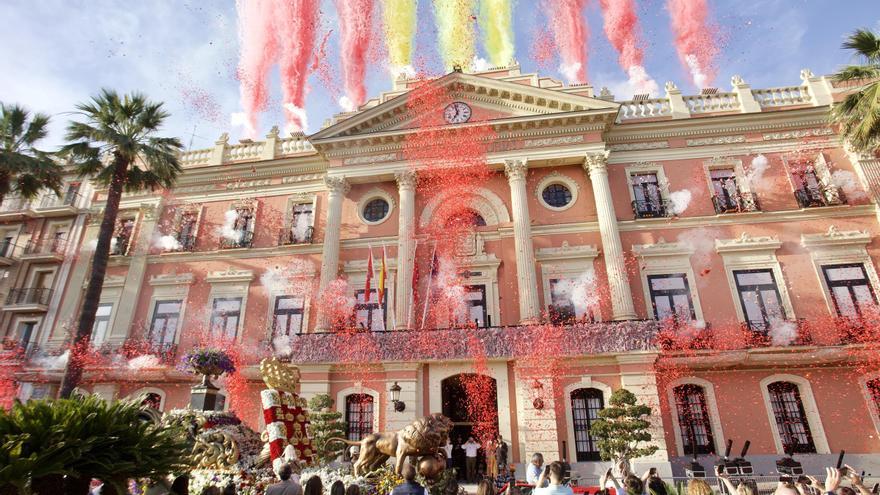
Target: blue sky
column 59, row 52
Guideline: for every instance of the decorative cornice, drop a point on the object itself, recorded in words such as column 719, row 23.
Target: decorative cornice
column 363, row 160
column 337, row 184
column 567, row 252
column 834, row 238
column 230, row 275
column 745, row 242
column 651, row 145
column 716, row 140
column 172, row 279
column 555, row 141
column 662, row 248
column 797, row 134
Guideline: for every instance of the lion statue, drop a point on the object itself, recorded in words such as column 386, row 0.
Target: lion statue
column 278, row 375
column 423, row 436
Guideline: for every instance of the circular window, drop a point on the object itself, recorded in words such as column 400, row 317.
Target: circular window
column 376, row 210
column 556, row 195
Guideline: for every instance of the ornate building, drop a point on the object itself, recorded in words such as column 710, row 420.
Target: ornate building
column 733, row 210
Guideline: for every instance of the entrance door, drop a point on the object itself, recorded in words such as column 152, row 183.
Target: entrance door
column 471, row 402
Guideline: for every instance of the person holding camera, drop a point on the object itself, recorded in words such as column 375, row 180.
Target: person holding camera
column 553, row 473
column 741, row 489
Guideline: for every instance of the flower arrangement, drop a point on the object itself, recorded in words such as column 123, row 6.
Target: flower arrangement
column 207, row 361
column 329, row 476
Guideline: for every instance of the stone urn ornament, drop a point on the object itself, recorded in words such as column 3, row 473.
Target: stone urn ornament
column 206, row 362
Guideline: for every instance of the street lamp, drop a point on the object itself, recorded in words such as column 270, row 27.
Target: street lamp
column 399, row 406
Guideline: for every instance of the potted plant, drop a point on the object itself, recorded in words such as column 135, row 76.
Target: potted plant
column 208, row 362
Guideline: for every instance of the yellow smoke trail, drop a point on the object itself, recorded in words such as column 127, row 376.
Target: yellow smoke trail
column 455, row 31
column 400, row 26
column 497, row 28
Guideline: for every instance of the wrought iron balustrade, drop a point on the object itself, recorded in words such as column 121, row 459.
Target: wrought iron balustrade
column 241, row 239
column 52, row 201
column 736, row 203
column 651, row 208
column 818, row 196
column 288, row 236
column 46, row 246
column 28, row 296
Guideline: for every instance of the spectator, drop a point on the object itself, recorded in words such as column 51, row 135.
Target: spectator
column 633, row 485
column 287, row 486
column 697, row 486
column 180, row 486
column 555, row 471
column 337, row 488
column 409, row 485
column 313, row 487
column 353, row 490
column 533, row 472
column 485, row 487
column 229, row 489
column 500, row 453
column 491, row 460
column 471, row 447
column 448, row 450
column 741, row 489
column 213, row 490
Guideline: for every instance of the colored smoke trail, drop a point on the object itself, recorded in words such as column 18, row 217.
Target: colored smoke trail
column 694, row 39
column 497, row 27
column 455, row 31
column 296, row 25
column 399, row 17
column 570, row 32
column 259, row 49
column 355, row 20
column 622, row 29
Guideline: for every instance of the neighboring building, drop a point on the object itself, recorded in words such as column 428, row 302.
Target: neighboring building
column 658, row 205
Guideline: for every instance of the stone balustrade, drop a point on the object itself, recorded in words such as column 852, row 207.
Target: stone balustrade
column 712, row 103
column 782, row 97
column 645, row 109
column 247, row 150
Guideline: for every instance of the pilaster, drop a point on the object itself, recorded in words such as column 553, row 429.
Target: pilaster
column 747, row 101
column 596, row 166
column 337, row 187
column 527, row 280
column 677, row 106
column 537, row 428
column 638, row 377
column 819, row 88
column 406, row 189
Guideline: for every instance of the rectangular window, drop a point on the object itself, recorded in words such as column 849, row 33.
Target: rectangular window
column 225, row 315
column 102, row 322
column 163, row 328
column 647, row 197
column 26, row 334
column 791, row 419
column 568, row 301
column 759, row 298
column 850, row 288
column 671, row 296
column 300, row 228
column 369, row 314
column 186, row 235
column 71, row 193
column 476, row 309
column 119, row 244
column 7, row 246
column 288, row 315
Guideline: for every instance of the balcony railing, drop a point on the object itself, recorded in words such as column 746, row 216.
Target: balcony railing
column 736, row 203
column 241, row 240
column 651, row 208
column 186, row 243
column 818, row 196
column 29, row 296
column 13, row 204
column 120, row 247
column 287, row 237
column 53, row 201
column 45, row 246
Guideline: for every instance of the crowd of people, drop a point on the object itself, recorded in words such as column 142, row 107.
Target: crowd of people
column 466, row 457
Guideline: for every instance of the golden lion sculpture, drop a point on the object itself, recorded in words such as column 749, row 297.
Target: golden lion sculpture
column 423, row 436
column 278, row 375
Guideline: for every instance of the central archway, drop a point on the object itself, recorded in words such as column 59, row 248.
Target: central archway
column 470, row 415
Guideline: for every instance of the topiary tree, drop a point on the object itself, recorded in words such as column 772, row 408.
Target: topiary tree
column 325, row 424
column 622, row 430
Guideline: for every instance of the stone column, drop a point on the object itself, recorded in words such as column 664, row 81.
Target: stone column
column 406, row 189
column 596, row 166
column 527, row 281
column 338, row 187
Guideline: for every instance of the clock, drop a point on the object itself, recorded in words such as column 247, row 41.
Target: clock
column 457, row 112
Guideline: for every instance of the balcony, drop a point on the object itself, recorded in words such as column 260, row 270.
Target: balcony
column 7, row 252
column 239, row 241
column 119, row 245
column 51, row 205
column 651, row 208
column 44, row 250
column 28, row 300
column 736, row 203
column 819, row 196
column 286, row 237
column 14, row 208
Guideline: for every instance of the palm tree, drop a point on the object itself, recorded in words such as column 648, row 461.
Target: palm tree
column 859, row 113
column 116, row 145
column 24, row 169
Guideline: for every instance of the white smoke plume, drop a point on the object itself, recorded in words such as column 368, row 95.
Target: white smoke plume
column 641, row 83
column 143, row 362
column 227, row 230
column 53, row 362
column 480, row 64
column 756, row 170
column 346, row 104
column 166, row 243
column 274, row 280
column 281, row 345
column 782, row 332
column 300, row 113
column 580, row 291
column 301, row 227
column 848, row 183
column 680, row 200
column 570, row 71
column 697, row 73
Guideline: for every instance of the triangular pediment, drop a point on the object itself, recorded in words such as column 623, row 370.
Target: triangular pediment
column 490, row 100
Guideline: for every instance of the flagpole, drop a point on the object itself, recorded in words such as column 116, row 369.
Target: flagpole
column 385, row 290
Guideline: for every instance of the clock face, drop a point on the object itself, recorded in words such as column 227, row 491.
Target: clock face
column 457, row 112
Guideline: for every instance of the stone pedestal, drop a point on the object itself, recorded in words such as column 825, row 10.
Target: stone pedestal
column 204, row 395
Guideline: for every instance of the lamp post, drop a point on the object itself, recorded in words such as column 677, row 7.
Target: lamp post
column 399, row 406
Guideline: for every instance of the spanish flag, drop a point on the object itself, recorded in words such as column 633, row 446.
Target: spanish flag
column 367, row 289
column 382, row 276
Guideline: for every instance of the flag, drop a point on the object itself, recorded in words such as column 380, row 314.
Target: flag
column 435, row 268
column 412, row 288
column 382, row 275
column 367, row 288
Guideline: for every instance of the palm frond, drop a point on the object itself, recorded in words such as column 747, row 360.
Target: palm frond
column 865, row 43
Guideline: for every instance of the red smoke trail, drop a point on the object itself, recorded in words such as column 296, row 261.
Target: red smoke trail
column 296, row 25
column 694, row 39
column 623, row 31
column 259, row 49
column 570, row 32
column 355, row 19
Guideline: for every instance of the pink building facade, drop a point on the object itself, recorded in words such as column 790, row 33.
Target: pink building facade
column 735, row 221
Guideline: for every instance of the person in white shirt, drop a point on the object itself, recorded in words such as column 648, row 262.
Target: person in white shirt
column 448, row 450
column 554, row 472
column 471, row 447
column 533, row 472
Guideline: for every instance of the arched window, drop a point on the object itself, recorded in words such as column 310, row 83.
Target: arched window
column 585, row 406
column 152, row 399
column 466, row 218
column 791, row 419
column 874, row 390
column 693, row 418
column 358, row 416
